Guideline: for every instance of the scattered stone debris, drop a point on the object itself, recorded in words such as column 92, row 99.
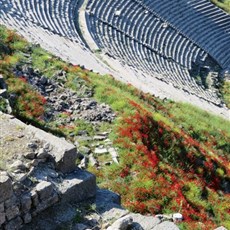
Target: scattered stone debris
column 175, row 217
column 102, row 212
column 59, row 99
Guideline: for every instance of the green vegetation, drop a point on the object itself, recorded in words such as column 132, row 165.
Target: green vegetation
column 223, row 4
column 3, row 105
column 173, row 156
column 226, row 92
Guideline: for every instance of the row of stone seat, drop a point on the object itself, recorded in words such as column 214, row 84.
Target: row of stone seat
column 150, row 30
column 122, row 46
column 201, row 21
column 57, row 16
column 146, row 42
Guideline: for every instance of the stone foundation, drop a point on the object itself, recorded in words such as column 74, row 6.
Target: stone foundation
column 40, row 178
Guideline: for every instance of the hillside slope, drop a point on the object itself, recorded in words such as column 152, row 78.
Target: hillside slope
column 173, row 157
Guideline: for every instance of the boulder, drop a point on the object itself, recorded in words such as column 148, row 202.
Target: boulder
column 12, row 212
column 27, row 218
column 42, row 154
column 105, row 196
column 3, row 93
column 26, row 203
column 99, row 138
column 77, row 186
column 44, row 190
column 1, row 207
column 177, row 217
column 84, row 150
column 79, row 227
column 111, row 212
column 48, row 202
column 93, row 161
column 122, row 223
column 34, row 198
column 141, row 222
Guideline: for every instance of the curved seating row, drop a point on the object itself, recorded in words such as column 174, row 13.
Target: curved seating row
column 154, row 36
column 201, row 21
column 57, row 16
column 139, row 36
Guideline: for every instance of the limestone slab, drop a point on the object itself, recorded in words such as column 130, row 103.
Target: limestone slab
column 63, row 152
column 78, row 186
column 144, row 222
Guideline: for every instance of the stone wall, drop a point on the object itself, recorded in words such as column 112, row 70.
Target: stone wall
column 40, row 178
column 16, row 211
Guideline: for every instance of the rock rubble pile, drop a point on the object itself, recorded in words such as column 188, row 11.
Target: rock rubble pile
column 59, row 99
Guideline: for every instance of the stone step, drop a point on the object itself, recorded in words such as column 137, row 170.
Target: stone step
column 77, row 186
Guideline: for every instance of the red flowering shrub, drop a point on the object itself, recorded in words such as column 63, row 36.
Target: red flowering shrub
column 167, row 170
column 27, row 102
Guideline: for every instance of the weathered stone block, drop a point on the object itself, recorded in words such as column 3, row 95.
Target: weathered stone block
column 78, row 186
column 13, row 201
column 12, row 212
column 1, row 207
column 122, row 223
column 27, row 218
column 144, row 222
column 44, row 190
column 5, row 187
column 2, row 218
column 14, row 224
column 34, row 198
column 26, row 203
column 105, row 196
column 63, row 152
column 46, row 204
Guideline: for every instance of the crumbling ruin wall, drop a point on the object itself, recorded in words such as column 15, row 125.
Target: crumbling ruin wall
column 41, row 178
